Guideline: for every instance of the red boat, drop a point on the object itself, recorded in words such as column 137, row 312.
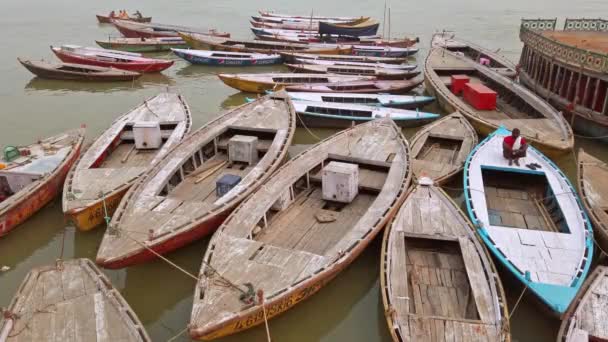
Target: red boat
column 141, row 30
column 110, row 58
column 31, row 176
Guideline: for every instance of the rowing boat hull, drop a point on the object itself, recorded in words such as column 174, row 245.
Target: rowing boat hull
column 591, row 177
column 379, row 73
column 344, row 30
column 129, row 32
column 111, row 75
column 335, row 121
column 141, row 47
column 451, row 103
column 250, row 86
column 201, row 230
column 402, row 88
column 203, row 45
column 143, row 67
column 385, row 53
column 31, row 203
column 93, row 215
column 103, row 19
column 217, row 61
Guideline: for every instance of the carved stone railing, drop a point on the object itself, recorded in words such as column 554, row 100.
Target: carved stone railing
column 600, row 25
column 530, row 34
column 539, row 24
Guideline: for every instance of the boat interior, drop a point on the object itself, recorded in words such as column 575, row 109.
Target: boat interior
column 440, row 149
column 196, row 179
column 124, row 151
column 71, row 68
column 347, row 87
column 522, row 200
column 297, row 80
column 476, row 56
column 340, row 111
column 365, row 100
column 511, row 110
column 303, row 220
column 438, row 284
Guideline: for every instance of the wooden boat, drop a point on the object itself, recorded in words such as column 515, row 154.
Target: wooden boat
column 531, row 219
column 226, row 58
column 201, row 42
column 77, row 72
column 383, row 51
column 110, row 59
column 143, row 44
column 435, row 273
column 286, row 241
column 305, row 36
column 586, row 318
column 591, row 176
column 260, row 83
column 31, row 176
column 140, row 30
column 70, row 301
column 517, row 107
column 355, row 28
column 291, row 26
column 372, row 70
column 124, row 152
column 474, row 52
column 440, row 149
column 107, row 19
column 178, row 202
column 292, row 57
column 358, row 87
column 272, row 14
column 344, row 115
column 356, row 64
column 376, row 100
column 281, row 20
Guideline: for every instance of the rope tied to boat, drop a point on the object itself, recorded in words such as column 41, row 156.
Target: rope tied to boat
column 517, row 303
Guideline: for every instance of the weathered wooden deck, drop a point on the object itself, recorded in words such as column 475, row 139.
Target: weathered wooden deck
column 70, row 301
column 437, row 281
column 440, row 149
column 291, row 249
column 177, row 198
column 592, row 175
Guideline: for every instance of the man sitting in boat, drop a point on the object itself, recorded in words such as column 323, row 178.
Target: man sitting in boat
column 112, row 14
column 5, row 190
column 137, row 14
column 514, row 147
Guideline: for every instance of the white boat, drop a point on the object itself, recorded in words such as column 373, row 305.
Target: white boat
column 378, row 100
column 342, row 115
column 531, row 219
column 383, row 51
column 358, row 64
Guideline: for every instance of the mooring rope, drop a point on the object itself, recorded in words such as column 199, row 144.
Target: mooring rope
column 178, row 335
column 518, row 301
column 306, row 127
column 260, row 294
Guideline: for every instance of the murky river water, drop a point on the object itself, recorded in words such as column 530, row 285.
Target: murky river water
column 349, row 308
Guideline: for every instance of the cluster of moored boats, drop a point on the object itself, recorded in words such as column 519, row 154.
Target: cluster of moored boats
column 283, row 226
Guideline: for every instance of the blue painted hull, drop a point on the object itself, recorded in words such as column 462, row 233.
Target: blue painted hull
column 555, row 297
column 327, row 28
column 213, row 61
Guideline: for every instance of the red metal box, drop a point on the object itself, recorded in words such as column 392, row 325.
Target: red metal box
column 458, row 82
column 479, row 96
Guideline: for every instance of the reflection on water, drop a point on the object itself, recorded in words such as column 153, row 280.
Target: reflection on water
column 61, row 86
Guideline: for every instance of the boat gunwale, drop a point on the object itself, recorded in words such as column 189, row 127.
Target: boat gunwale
column 578, row 279
column 158, row 242
column 600, row 228
column 325, row 274
column 431, row 76
column 494, row 282
column 426, row 129
column 113, row 192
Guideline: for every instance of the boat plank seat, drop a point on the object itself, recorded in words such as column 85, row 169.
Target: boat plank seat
column 438, row 280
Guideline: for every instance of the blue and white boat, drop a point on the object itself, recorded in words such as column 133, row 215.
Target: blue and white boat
column 343, row 115
column 531, row 218
column 225, row 58
column 357, row 64
column 376, row 100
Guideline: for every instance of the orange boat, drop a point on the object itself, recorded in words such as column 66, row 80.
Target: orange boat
column 31, row 176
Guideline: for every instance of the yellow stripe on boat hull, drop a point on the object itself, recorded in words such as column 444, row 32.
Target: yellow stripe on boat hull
column 249, row 86
column 89, row 217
